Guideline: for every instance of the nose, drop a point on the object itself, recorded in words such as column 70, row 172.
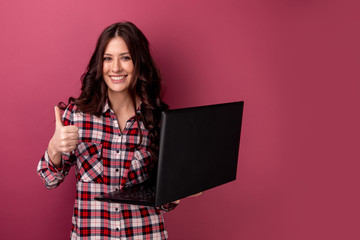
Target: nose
column 116, row 66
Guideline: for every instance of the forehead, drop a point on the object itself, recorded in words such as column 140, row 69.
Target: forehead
column 116, row 45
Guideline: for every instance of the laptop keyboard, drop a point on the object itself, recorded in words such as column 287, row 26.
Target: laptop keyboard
column 139, row 194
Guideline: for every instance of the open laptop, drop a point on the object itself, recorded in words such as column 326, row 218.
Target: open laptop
column 198, row 150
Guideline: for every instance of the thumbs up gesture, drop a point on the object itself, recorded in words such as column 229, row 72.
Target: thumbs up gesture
column 65, row 139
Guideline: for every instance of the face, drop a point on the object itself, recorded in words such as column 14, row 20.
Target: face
column 118, row 66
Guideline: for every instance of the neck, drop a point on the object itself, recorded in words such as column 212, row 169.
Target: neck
column 122, row 103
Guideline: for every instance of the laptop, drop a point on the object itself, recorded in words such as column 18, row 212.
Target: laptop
column 198, row 150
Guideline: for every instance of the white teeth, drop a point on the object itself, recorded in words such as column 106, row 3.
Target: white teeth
column 117, row 78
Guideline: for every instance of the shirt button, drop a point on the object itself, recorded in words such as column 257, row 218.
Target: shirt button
column 117, row 151
column 117, row 229
column 117, row 170
column 116, row 189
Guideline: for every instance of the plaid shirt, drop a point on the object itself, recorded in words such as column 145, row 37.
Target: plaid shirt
column 103, row 163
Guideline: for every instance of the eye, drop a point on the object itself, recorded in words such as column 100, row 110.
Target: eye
column 106, row 59
column 126, row 58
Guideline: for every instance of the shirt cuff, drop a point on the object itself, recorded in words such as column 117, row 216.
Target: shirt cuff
column 51, row 166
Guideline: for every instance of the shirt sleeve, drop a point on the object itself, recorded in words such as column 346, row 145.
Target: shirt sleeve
column 51, row 176
column 167, row 207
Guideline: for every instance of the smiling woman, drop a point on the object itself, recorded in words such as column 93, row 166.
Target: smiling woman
column 110, row 133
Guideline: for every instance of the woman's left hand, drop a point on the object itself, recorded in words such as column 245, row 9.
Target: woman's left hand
column 194, row 195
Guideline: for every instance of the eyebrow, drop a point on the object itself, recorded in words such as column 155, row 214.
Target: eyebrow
column 121, row 54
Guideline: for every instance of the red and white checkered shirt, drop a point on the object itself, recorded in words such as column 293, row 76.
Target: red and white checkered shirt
column 104, row 163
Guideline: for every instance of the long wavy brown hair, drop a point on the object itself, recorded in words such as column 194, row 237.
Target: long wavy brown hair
column 146, row 82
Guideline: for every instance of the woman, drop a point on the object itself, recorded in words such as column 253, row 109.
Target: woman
column 111, row 135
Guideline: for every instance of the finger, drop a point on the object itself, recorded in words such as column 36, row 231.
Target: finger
column 71, row 143
column 196, row 195
column 68, row 148
column 58, row 117
column 72, row 136
column 72, row 129
column 66, row 142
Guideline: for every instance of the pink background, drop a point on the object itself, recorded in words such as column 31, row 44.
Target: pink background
column 294, row 63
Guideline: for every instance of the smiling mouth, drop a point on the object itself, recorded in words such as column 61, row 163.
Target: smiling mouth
column 118, row 78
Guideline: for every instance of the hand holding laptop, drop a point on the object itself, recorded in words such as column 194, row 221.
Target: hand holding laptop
column 194, row 195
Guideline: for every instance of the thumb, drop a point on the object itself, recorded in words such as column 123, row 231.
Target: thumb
column 58, row 117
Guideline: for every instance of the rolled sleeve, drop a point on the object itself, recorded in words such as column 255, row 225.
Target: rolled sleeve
column 50, row 175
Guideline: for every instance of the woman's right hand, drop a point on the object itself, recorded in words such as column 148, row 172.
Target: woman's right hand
column 65, row 139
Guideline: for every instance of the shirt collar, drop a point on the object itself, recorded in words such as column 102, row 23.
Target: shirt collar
column 107, row 107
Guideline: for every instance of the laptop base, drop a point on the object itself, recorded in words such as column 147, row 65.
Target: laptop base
column 141, row 194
